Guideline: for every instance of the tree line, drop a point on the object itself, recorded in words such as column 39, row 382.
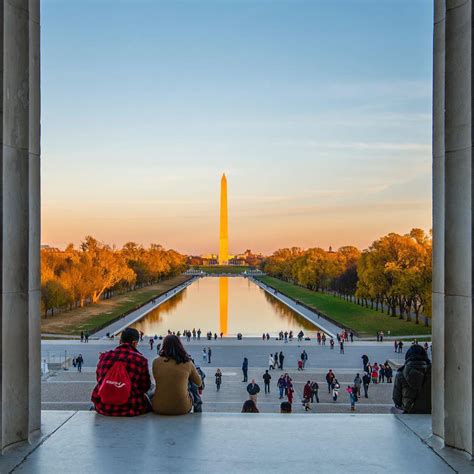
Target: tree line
column 79, row 276
column 393, row 274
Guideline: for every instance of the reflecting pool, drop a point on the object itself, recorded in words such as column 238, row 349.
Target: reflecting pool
column 224, row 304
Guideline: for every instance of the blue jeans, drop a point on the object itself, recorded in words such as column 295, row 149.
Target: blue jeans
column 281, row 391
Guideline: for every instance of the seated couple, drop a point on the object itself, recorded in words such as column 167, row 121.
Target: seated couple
column 123, row 380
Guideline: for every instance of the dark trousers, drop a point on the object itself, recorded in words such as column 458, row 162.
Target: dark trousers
column 244, row 371
column 267, row 388
column 366, row 390
column 314, row 395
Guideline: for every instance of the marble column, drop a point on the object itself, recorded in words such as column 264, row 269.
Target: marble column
column 34, row 183
column 438, row 218
column 20, row 204
column 452, row 226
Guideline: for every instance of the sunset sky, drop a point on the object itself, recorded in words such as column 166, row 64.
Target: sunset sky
column 317, row 111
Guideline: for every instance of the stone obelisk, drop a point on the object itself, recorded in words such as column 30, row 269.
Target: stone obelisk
column 224, row 228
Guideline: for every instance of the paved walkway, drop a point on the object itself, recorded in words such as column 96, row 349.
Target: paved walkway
column 229, row 352
column 134, row 316
column 327, row 326
column 72, row 390
column 78, row 442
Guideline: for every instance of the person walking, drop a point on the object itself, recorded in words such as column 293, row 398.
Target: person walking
column 79, row 362
column 253, row 390
column 365, row 362
column 86, row 335
column 365, row 383
column 341, row 347
column 245, row 368
column 389, row 373
column 329, row 379
column 218, row 376
column 352, row 396
column 335, row 389
column 307, row 396
column 199, row 334
column 357, row 384
column 82, row 336
column 331, row 343
column 281, row 358
column 266, row 380
column 275, row 361
column 351, row 335
column 209, row 352
column 375, row 373
column 271, row 362
column 151, row 342
column 381, row 373
column 400, row 347
column 304, row 358
column 315, row 392
column 289, row 392
column 204, row 354
column 281, row 385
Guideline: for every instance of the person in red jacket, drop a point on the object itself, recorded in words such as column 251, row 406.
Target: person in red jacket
column 136, row 366
column 290, row 392
column 307, row 392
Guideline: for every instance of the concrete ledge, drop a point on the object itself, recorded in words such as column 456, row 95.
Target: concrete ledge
column 210, row 443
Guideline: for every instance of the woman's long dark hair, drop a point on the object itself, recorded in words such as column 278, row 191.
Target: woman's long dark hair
column 173, row 349
column 250, row 407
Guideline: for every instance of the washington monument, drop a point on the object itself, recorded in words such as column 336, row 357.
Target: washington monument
column 224, row 230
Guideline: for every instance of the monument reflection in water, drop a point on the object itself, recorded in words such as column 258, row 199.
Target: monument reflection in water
column 227, row 305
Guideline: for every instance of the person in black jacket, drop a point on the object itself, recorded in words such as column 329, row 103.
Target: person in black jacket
column 245, row 368
column 266, row 379
column 365, row 383
column 412, row 387
column 365, row 361
column 253, row 389
column 281, row 358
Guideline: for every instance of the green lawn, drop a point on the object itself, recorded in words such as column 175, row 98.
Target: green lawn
column 216, row 269
column 364, row 321
column 93, row 317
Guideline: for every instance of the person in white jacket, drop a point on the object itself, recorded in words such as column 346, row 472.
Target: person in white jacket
column 271, row 362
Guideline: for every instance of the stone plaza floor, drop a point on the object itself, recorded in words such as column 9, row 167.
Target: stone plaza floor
column 330, row 438
column 70, row 390
column 84, row 442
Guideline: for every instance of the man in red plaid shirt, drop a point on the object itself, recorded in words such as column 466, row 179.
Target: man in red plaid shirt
column 137, row 368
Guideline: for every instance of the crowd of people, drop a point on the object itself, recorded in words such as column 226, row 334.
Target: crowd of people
column 124, row 386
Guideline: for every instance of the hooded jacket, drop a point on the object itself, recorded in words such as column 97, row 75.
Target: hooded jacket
column 412, row 387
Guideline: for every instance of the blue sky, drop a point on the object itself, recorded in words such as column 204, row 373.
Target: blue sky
column 318, row 111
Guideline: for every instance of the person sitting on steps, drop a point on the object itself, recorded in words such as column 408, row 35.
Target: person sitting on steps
column 174, row 372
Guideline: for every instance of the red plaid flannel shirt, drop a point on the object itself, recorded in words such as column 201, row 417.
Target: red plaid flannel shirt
column 137, row 368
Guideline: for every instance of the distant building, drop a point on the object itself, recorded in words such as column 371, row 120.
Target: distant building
column 48, row 248
column 248, row 258
column 194, row 260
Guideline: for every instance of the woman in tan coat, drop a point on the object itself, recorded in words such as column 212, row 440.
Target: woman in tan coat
column 173, row 370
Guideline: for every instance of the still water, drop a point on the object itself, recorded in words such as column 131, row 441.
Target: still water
column 227, row 305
